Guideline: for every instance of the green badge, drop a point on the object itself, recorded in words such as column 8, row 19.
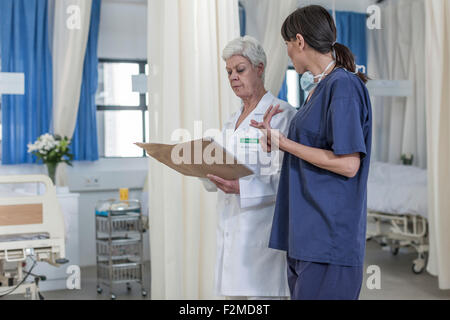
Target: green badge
column 250, row 140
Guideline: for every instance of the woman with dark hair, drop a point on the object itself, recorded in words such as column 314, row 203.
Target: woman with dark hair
column 320, row 212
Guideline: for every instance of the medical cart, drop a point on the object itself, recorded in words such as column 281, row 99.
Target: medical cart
column 119, row 244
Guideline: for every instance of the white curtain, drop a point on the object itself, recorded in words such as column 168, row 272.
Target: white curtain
column 437, row 46
column 396, row 52
column 70, row 36
column 187, row 83
column 264, row 21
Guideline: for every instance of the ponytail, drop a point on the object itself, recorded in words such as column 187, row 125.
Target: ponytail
column 345, row 59
column 317, row 27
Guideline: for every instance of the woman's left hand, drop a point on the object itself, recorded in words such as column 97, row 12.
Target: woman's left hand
column 227, row 186
column 272, row 138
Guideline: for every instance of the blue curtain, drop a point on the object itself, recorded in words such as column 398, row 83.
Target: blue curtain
column 84, row 140
column 25, row 48
column 242, row 19
column 351, row 30
column 284, row 90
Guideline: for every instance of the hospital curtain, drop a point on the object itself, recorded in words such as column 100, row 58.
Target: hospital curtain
column 437, row 47
column 282, row 94
column 396, row 52
column 273, row 43
column 84, row 140
column 70, row 37
column 25, row 49
column 187, row 83
column 264, row 21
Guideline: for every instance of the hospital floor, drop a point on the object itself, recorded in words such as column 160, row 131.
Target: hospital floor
column 397, row 281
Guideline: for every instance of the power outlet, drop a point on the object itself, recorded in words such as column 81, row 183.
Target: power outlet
column 92, row 181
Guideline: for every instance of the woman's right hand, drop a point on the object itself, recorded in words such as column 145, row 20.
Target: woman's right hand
column 271, row 137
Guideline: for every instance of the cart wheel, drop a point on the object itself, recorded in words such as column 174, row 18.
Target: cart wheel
column 419, row 264
column 113, row 296
column 99, row 290
column 418, row 268
column 144, row 293
column 394, row 250
column 128, row 287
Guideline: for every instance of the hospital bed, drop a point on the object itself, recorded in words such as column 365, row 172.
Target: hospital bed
column 397, row 209
column 31, row 228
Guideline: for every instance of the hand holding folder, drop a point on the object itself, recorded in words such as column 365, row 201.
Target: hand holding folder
column 198, row 158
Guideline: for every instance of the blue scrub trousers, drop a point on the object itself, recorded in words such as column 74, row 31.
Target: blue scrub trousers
column 320, row 281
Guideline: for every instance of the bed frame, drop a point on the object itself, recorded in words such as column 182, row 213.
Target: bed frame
column 400, row 230
column 30, row 227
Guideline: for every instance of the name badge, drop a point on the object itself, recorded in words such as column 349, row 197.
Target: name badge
column 250, row 140
column 249, row 144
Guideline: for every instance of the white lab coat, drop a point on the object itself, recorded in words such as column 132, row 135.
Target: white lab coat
column 246, row 266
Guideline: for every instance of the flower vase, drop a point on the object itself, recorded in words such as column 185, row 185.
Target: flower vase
column 51, row 169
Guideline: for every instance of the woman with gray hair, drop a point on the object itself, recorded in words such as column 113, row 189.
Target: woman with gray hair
column 246, row 268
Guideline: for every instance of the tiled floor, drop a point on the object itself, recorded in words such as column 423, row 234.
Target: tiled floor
column 397, row 281
column 89, row 289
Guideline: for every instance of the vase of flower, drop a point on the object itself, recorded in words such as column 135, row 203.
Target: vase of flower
column 52, row 150
column 51, row 170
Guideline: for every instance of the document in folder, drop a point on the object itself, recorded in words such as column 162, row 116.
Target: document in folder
column 198, row 158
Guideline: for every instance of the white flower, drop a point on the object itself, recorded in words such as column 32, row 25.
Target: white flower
column 43, row 144
column 31, row 148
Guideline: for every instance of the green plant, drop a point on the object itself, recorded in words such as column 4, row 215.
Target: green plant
column 407, row 159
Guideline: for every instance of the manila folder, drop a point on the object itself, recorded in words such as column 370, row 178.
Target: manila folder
column 198, row 158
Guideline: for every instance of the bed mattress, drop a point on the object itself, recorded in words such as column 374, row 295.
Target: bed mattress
column 397, row 189
column 24, row 237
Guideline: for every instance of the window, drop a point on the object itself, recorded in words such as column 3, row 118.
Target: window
column 122, row 116
column 295, row 95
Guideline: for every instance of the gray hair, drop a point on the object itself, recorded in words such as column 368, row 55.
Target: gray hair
column 247, row 47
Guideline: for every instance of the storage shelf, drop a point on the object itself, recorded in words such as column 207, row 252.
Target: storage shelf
column 119, row 247
column 105, row 259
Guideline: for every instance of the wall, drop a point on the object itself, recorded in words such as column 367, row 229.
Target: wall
column 123, row 29
column 102, row 180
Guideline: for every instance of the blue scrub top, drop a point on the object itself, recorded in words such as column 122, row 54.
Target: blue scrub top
column 320, row 216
